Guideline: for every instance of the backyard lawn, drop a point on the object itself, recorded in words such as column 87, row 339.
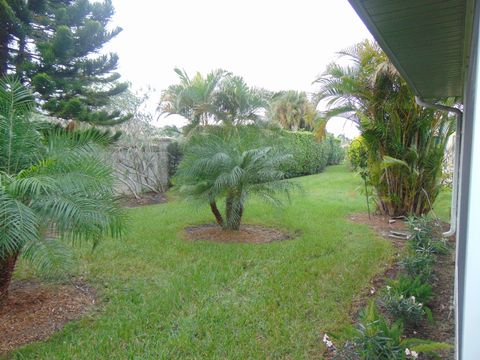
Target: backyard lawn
column 160, row 296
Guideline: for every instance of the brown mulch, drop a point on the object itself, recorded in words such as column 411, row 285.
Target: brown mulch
column 253, row 234
column 149, row 198
column 34, row 311
column 443, row 328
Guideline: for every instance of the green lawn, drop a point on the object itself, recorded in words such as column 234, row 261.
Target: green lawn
column 162, row 297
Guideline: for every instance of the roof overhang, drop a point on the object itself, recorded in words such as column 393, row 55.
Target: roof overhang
column 427, row 40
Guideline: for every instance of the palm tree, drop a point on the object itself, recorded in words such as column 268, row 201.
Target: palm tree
column 192, row 98
column 238, row 104
column 54, row 185
column 220, row 164
column 292, row 110
column 217, row 98
column 405, row 142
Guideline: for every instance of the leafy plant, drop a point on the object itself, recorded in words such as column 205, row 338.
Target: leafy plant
column 426, row 235
column 53, row 185
column 358, row 154
column 406, row 299
column 221, row 164
column 406, row 142
column 377, row 339
column 418, row 264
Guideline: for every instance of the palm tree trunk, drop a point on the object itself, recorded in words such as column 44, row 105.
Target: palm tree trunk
column 234, row 212
column 216, row 213
column 7, row 266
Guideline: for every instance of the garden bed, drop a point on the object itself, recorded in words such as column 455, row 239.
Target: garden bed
column 34, row 311
column 443, row 327
column 253, row 234
column 149, row 198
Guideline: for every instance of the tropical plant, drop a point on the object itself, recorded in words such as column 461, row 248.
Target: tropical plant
column 358, row 154
column 426, row 235
column 192, row 98
column 405, row 142
column 406, row 299
column 218, row 98
column 292, row 110
column 418, row 264
column 54, row 185
column 377, row 339
column 223, row 164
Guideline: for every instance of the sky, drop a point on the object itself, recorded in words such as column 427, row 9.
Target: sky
column 277, row 45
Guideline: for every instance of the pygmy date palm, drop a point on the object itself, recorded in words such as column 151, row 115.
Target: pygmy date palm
column 54, row 186
column 224, row 166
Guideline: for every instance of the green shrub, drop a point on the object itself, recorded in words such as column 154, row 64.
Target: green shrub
column 334, row 150
column 418, row 264
column 358, row 154
column 309, row 156
column 377, row 339
column 405, row 299
column 175, row 156
column 426, row 235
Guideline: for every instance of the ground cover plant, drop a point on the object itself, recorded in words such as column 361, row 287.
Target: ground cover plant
column 165, row 297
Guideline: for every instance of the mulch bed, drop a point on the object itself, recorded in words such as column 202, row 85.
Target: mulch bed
column 443, row 328
column 149, row 198
column 34, row 311
column 253, row 234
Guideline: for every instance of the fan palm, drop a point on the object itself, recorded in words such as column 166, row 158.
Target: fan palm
column 53, row 185
column 221, row 165
column 405, row 142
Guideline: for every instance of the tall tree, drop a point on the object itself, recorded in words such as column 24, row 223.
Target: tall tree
column 405, row 142
column 217, row 98
column 53, row 46
column 292, row 110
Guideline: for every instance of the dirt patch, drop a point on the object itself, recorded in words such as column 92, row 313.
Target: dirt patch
column 34, row 311
column 253, row 234
column 443, row 328
column 149, row 198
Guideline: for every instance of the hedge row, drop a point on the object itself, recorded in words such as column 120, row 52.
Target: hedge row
column 309, row 156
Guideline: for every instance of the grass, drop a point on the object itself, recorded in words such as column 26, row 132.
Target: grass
column 163, row 297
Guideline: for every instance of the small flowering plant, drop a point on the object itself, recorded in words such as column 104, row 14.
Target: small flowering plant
column 405, row 299
column 404, row 308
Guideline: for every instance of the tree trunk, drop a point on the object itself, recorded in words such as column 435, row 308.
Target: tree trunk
column 7, row 266
column 216, row 213
column 3, row 52
column 234, row 211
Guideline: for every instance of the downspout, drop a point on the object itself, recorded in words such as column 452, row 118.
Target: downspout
column 456, row 161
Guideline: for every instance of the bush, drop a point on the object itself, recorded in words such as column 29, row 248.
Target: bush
column 406, row 298
column 175, row 156
column 426, row 235
column 418, row 264
column 334, row 150
column 309, row 156
column 358, row 154
column 377, row 339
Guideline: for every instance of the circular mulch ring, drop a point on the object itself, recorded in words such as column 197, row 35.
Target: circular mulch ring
column 34, row 311
column 252, row 234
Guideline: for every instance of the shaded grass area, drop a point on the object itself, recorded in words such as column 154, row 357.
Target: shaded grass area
column 164, row 297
